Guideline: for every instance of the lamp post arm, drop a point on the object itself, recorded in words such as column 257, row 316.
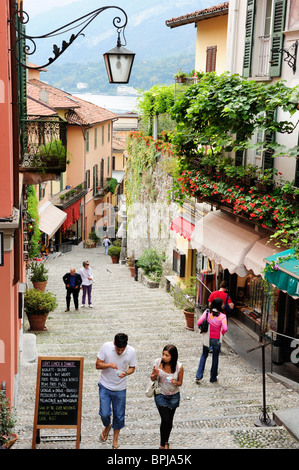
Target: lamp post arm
column 85, row 20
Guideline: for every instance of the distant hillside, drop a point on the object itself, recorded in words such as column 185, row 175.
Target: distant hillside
column 147, row 35
column 145, row 74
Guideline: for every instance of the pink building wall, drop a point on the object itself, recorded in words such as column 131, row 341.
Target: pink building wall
column 9, row 322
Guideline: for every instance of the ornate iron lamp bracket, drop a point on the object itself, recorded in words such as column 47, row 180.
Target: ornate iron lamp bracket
column 291, row 58
column 82, row 23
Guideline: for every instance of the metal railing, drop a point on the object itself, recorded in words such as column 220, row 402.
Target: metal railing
column 43, row 145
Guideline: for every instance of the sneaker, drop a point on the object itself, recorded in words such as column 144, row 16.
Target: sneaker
column 198, row 381
column 90, row 306
column 67, row 310
column 82, row 306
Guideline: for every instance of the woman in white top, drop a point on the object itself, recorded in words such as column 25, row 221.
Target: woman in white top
column 169, row 373
column 87, row 278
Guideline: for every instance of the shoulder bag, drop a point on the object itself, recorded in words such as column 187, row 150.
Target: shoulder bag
column 151, row 388
column 204, row 326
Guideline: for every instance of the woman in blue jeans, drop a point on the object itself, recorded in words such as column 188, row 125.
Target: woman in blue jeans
column 217, row 326
column 169, row 373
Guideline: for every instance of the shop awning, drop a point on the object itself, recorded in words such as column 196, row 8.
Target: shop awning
column 183, row 227
column 72, row 215
column 50, row 219
column 284, row 272
column 219, row 237
column 255, row 258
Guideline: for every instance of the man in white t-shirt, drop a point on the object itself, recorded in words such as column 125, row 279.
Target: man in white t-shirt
column 116, row 360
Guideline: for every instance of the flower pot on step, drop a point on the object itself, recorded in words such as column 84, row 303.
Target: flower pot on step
column 189, row 316
column 37, row 322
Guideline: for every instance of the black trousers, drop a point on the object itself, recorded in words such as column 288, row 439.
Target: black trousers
column 167, row 415
column 71, row 291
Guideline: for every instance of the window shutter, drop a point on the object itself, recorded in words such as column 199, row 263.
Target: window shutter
column 279, row 14
column 239, row 153
column 102, row 173
column 22, row 85
column 268, row 154
column 249, row 30
column 211, row 59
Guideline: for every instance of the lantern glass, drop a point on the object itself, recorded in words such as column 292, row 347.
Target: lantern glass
column 119, row 63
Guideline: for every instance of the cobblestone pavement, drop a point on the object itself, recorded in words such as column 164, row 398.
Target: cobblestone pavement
column 218, row 416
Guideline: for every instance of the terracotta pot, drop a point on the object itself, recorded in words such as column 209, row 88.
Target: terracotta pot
column 37, row 322
column 132, row 270
column 12, row 439
column 40, row 285
column 189, row 320
column 115, row 259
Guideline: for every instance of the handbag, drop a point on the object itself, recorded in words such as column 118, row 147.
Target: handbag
column 204, row 326
column 151, row 389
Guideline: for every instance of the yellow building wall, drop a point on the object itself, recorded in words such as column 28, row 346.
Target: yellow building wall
column 211, row 32
column 183, row 245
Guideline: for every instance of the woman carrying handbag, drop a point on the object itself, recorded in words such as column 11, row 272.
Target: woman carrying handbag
column 169, row 373
column 217, row 326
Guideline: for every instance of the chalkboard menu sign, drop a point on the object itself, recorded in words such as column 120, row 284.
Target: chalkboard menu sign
column 58, row 394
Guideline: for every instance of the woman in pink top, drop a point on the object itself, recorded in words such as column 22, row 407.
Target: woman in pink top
column 217, row 326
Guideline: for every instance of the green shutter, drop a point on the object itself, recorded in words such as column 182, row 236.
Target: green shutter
column 269, row 137
column 249, row 29
column 279, row 14
column 22, row 85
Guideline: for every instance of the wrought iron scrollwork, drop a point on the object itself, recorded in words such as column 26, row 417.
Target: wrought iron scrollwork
column 291, row 55
column 29, row 42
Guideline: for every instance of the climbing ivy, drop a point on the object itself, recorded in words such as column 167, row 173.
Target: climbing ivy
column 34, row 250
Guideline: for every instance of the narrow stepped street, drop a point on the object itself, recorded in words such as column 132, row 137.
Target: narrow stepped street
column 218, row 416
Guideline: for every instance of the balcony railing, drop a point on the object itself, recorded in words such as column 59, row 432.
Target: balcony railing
column 70, row 195
column 43, row 145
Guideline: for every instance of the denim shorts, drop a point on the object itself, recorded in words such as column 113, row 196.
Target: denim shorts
column 112, row 402
column 171, row 401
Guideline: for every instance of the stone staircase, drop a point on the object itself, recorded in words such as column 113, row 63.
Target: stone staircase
column 211, row 416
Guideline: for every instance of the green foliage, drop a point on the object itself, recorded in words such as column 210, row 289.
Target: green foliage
column 184, row 294
column 38, row 271
column 114, row 250
column 93, row 236
column 143, row 155
column 34, row 250
column 37, row 302
column 7, row 419
column 152, row 263
column 224, row 111
column 112, row 185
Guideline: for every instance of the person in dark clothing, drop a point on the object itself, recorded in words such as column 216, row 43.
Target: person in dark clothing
column 72, row 282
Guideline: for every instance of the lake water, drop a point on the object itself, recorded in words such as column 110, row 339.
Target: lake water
column 116, row 103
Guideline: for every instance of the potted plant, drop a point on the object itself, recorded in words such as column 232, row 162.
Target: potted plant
column 7, row 423
column 250, row 172
column 180, row 77
column 151, row 262
column 265, row 179
column 184, row 295
column 38, row 276
column 114, row 252
column 289, row 192
column 37, row 305
column 94, row 238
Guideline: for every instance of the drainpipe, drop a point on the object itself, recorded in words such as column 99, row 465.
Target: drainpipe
column 234, row 10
